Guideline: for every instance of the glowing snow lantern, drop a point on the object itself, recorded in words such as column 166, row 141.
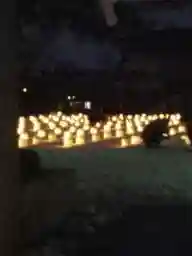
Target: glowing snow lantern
column 63, row 118
column 63, row 124
column 81, row 120
column 170, row 123
column 52, row 125
column 140, row 128
column 161, row 116
column 35, row 141
column 36, row 126
column 136, row 117
column 124, row 142
column 107, row 134
column 55, row 119
column 58, row 131
column 178, row 116
column 114, row 119
column 67, row 139
column 98, row 125
column 21, row 125
column 129, row 129
column 77, row 124
column 172, row 132
column 137, row 123
column 86, row 127
column 45, row 120
column 80, row 137
column 109, row 123
column 72, row 129
column 150, row 118
column 59, row 113
column 94, row 134
column 121, row 117
column 146, row 122
column 52, row 137
column 129, row 117
column 135, row 140
column 181, row 129
column 32, row 118
column 167, row 116
column 154, row 117
column 119, row 133
column 23, row 140
column 176, row 122
column 41, row 134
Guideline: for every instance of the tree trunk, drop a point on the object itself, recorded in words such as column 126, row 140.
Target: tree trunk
column 9, row 185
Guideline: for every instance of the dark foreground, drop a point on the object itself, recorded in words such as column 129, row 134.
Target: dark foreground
column 102, row 225
column 151, row 230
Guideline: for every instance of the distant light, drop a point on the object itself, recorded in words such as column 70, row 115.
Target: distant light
column 87, row 105
column 24, row 89
column 71, row 97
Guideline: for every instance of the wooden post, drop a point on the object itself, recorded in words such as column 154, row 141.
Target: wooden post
column 9, row 175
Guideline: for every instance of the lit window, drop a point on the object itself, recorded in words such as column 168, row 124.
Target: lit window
column 87, row 105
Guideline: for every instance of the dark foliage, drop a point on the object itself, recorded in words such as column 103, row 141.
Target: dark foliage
column 153, row 133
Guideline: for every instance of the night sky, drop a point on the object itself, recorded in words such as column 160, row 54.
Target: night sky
column 65, row 47
column 61, row 47
column 86, row 53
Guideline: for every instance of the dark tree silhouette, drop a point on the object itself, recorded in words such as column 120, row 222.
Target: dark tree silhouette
column 9, row 175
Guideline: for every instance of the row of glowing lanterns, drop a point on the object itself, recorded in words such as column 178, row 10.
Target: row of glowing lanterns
column 73, row 130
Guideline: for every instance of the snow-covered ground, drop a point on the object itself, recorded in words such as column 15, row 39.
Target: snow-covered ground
column 105, row 167
column 117, row 175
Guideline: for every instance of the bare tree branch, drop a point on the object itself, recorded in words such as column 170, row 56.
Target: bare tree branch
column 107, row 7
